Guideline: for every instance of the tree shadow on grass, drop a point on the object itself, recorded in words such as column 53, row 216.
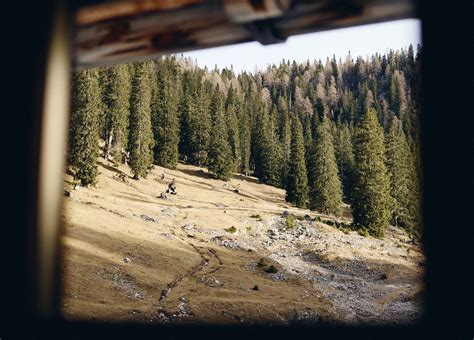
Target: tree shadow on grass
column 197, row 173
column 113, row 169
column 246, row 178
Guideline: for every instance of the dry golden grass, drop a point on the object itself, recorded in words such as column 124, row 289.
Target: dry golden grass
column 116, row 266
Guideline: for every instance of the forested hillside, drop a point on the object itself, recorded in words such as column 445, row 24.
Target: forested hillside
column 327, row 132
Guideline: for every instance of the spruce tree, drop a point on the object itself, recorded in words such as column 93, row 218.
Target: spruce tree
column 326, row 192
column 397, row 161
column 404, row 180
column 315, row 121
column 371, row 202
column 414, row 223
column 308, row 139
column 245, row 138
column 284, row 128
column 269, row 153
column 188, row 109
column 219, row 156
column 166, row 118
column 297, row 180
column 117, row 101
column 141, row 135
column 103, row 84
column 84, row 125
column 345, row 158
column 257, row 109
column 231, row 109
column 398, row 100
column 198, row 129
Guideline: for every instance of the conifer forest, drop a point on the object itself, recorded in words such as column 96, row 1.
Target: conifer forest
column 331, row 132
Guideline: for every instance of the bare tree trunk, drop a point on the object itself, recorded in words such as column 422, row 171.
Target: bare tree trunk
column 126, row 156
column 108, row 145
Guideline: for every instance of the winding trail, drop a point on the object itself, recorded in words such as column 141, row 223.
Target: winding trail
column 213, row 262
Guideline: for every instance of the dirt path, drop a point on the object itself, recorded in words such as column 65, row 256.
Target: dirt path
column 210, row 263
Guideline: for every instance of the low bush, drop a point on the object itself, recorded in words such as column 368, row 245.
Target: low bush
column 271, row 269
column 290, row 221
column 363, row 232
column 231, row 230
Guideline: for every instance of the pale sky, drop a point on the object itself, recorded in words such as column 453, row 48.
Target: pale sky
column 360, row 41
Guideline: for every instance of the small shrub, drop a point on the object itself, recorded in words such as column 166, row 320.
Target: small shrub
column 363, row 232
column 346, row 231
column 329, row 222
column 271, row 269
column 255, row 216
column 249, row 228
column 261, row 263
column 383, row 276
column 255, row 287
column 300, row 218
column 231, row 230
column 316, row 219
column 290, row 221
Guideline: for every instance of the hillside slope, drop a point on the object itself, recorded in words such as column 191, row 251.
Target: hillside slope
column 129, row 255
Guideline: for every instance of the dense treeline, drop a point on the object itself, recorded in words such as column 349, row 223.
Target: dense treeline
column 326, row 132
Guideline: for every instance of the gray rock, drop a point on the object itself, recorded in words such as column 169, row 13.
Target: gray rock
column 306, row 316
column 278, row 276
column 148, row 218
column 169, row 212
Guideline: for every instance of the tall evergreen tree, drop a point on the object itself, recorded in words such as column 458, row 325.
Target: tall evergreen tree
column 103, row 84
column 141, row 135
column 326, row 192
column 231, row 109
column 371, row 203
column 186, row 109
column 244, row 139
column 165, row 118
column 284, row 127
column 398, row 99
column 297, row 180
column 117, row 102
column 308, row 139
column 219, row 157
column 200, row 125
column 404, row 180
column 345, row 158
column 397, row 161
column 84, row 125
column 269, row 153
column 414, row 223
